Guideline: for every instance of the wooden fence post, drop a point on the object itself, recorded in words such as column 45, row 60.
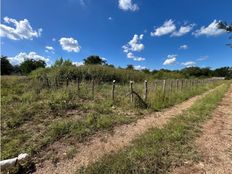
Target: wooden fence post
column 131, row 90
column 145, row 90
column 113, row 88
column 93, row 88
column 67, row 82
column 78, row 84
column 164, row 86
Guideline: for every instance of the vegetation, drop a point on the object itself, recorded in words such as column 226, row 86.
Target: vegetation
column 29, row 65
column 160, row 149
column 41, row 115
column 6, row 67
column 94, row 60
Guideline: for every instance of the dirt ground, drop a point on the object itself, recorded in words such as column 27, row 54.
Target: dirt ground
column 108, row 142
column 215, row 144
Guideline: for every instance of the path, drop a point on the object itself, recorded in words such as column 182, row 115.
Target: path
column 215, row 144
column 105, row 143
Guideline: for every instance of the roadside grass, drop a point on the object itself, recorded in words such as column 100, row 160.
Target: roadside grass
column 162, row 149
column 32, row 117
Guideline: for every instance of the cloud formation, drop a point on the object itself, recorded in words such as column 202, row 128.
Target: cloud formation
column 183, row 30
column 50, row 49
column 21, row 30
column 189, row 64
column 22, row 56
column 211, row 30
column 170, row 60
column 127, row 5
column 134, row 45
column 69, row 44
column 184, row 47
column 139, row 67
column 167, row 28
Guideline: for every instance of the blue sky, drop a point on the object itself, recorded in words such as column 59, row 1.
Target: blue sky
column 156, row 34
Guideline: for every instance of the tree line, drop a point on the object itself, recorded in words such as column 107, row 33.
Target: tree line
column 29, row 65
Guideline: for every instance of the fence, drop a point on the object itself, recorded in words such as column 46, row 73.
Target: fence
column 157, row 92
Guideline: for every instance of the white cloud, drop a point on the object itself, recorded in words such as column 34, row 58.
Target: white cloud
column 170, row 60
column 110, row 18
column 139, row 59
column 139, row 67
column 183, row 30
column 167, row 28
column 134, row 44
column 69, row 44
column 22, row 30
column 22, row 56
column 53, row 39
column 49, row 49
column 78, row 63
column 127, row 5
column 203, row 58
column 210, row 30
column 184, row 47
column 189, row 64
column 130, row 55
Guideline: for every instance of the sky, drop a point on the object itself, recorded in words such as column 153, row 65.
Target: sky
column 170, row 34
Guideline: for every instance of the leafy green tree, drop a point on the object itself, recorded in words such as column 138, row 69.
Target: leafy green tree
column 226, row 27
column 6, row 67
column 130, row 67
column 147, row 71
column 29, row 65
column 94, row 60
column 61, row 62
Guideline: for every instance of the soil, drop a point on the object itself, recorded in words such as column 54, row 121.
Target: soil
column 215, row 144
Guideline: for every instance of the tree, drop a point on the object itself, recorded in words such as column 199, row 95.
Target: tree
column 94, row 60
column 6, row 67
column 147, row 71
column 130, row 67
column 61, row 62
column 30, row 64
column 226, row 27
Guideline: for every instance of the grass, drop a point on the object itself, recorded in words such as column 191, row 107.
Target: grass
column 33, row 116
column 159, row 150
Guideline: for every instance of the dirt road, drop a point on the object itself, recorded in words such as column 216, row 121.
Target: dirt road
column 215, row 144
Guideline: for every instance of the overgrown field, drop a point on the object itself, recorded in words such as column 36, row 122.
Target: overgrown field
column 161, row 149
column 34, row 116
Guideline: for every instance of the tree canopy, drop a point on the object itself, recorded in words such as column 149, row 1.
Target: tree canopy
column 30, row 64
column 6, row 67
column 94, row 60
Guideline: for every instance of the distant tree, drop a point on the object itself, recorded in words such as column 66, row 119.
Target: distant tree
column 147, row 71
column 94, row 60
column 29, row 65
column 130, row 67
column 222, row 72
column 226, row 27
column 6, row 67
column 61, row 62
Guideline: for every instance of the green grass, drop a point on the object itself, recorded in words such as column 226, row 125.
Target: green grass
column 159, row 150
column 33, row 116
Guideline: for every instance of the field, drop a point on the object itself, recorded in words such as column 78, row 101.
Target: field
column 45, row 120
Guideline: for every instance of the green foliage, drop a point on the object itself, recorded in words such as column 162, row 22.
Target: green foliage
column 94, row 60
column 61, row 62
column 29, row 65
column 6, row 67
